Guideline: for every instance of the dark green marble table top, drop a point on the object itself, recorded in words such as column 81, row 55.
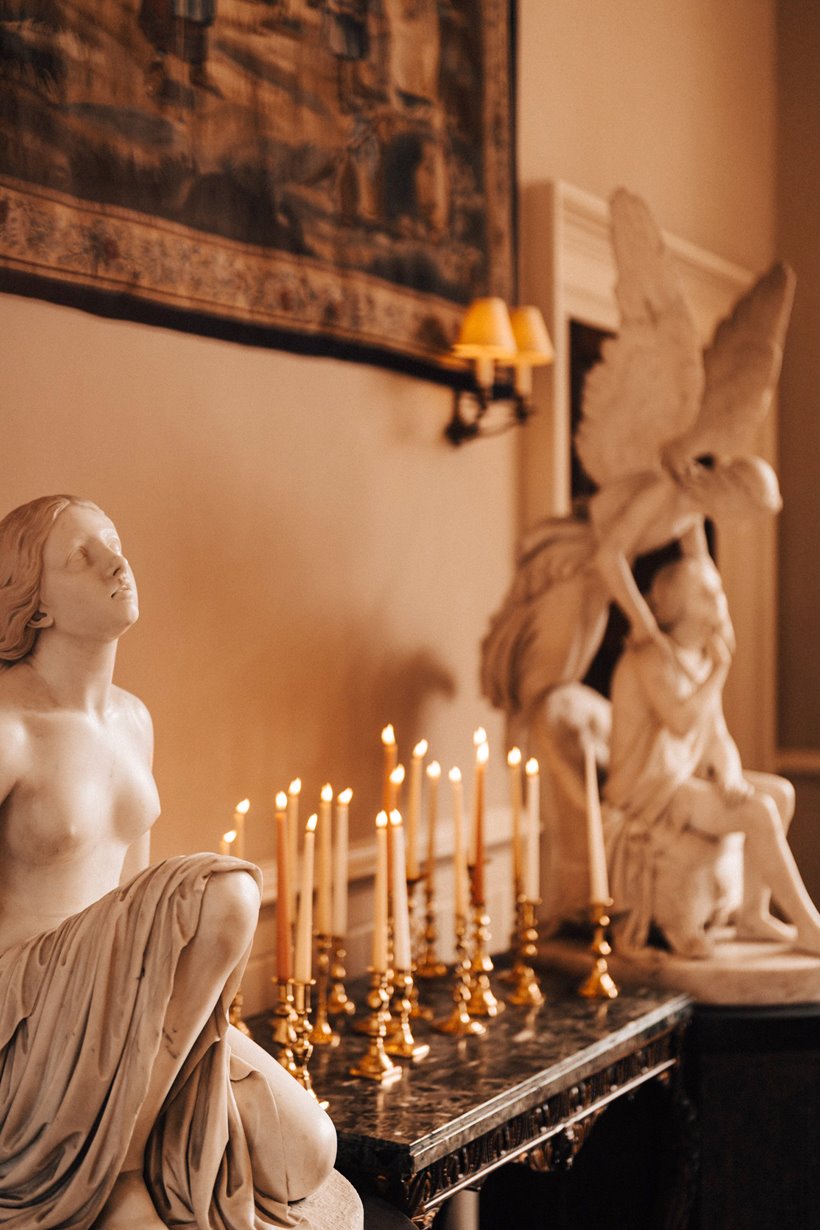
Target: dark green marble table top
column 468, row 1087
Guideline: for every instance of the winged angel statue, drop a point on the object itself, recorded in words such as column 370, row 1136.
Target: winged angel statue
column 665, row 434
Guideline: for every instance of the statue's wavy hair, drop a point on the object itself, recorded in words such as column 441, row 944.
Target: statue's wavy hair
column 23, row 533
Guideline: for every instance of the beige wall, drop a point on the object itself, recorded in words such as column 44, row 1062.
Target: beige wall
column 313, row 560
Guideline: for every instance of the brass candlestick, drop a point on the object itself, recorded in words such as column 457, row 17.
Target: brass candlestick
column 459, row 1022
column 235, row 1014
column 599, row 984
column 323, row 1033
column 508, row 975
column 526, row 990
column 339, row 1002
column 417, row 1010
column 283, row 1034
column 482, row 1000
column 400, row 1039
column 302, row 1045
column 376, row 1064
column 429, row 966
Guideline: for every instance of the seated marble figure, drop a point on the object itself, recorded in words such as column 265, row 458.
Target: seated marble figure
column 126, row 1098
column 676, row 788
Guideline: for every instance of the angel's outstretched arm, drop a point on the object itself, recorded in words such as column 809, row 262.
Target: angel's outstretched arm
column 614, row 567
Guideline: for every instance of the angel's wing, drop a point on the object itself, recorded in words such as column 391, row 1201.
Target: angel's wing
column 742, row 367
column 647, row 388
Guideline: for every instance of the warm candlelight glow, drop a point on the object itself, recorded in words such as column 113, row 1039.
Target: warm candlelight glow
column 304, row 925
column 390, row 755
column 514, row 765
column 598, row 877
column 401, row 915
column 479, row 736
column 284, row 892
column 340, row 830
column 294, row 790
column 227, row 841
column 379, row 952
column 531, row 885
column 394, row 784
column 482, row 753
column 397, row 776
column 460, row 862
column 325, row 860
column 239, row 813
column 433, row 778
column 414, row 809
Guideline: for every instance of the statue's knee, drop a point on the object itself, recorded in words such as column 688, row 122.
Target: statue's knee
column 230, row 908
column 317, row 1158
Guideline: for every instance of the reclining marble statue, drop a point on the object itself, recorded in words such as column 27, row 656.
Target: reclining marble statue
column 665, row 435
column 126, row 1098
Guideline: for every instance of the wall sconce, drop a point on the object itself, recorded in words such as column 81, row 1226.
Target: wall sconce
column 492, row 337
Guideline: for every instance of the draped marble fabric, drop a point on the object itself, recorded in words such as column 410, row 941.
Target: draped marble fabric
column 81, row 1016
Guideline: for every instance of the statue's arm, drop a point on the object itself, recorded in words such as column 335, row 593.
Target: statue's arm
column 678, row 706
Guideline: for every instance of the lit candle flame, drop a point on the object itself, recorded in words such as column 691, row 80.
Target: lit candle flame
column 244, row 807
column 229, row 837
column 281, row 800
column 381, row 820
column 295, row 786
column 531, row 767
column 514, row 757
column 455, row 775
column 327, row 793
column 434, row 770
column 397, row 776
column 388, row 736
column 313, row 820
column 479, row 736
column 420, row 749
column 395, row 818
column 482, row 753
column 345, row 797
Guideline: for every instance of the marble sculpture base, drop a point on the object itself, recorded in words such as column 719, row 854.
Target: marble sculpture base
column 740, row 972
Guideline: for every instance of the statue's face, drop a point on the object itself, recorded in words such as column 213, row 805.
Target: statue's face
column 86, row 587
column 705, row 602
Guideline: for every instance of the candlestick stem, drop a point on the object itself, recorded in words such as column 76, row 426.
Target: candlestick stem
column 339, row 1002
column 282, row 1026
column 459, row 1022
column 526, row 990
column 599, row 984
column 376, row 1064
column 482, row 1000
column 400, row 1040
column 429, row 966
column 322, row 1033
column 418, row 1011
column 302, row 1045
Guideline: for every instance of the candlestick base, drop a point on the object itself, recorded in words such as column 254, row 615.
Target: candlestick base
column 282, row 1030
column 376, row 1064
column 599, row 984
column 482, row 1000
column 235, row 1014
column 339, row 1002
column 400, row 1040
column 459, row 1023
